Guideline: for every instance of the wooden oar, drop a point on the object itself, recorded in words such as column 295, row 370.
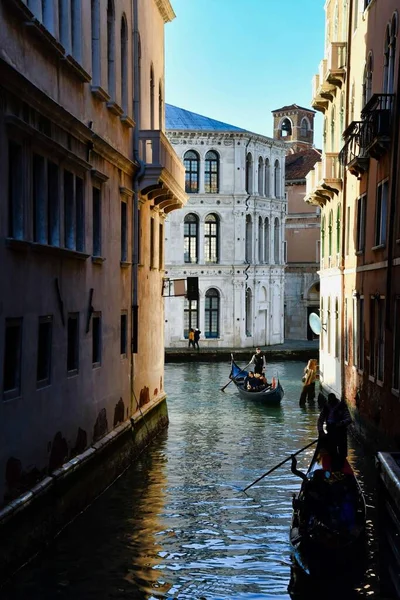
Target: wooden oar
column 281, row 463
column 233, row 378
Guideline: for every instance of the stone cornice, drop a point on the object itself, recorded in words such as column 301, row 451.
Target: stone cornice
column 166, row 10
column 176, row 135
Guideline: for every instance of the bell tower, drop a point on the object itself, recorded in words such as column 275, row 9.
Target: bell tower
column 294, row 125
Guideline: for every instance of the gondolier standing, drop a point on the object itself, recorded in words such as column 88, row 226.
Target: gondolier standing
column 258, row 360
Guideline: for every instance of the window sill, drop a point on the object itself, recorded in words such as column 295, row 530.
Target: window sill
column 100, row 93
column 11, row 395
column 24, row 245
column 398, row 241
column 77, row 69
column 378, row 247
column 127, row 121
column 39, row 30
column 379, row 382
column 359, row 253
column 96, row 365
column 72, row 373
column 123, row 356
column 98, row 260
column 115, row 108
column 395, row 392
column 124, row 264
column 41, row 385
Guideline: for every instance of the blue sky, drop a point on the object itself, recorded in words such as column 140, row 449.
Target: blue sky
column 236, row 60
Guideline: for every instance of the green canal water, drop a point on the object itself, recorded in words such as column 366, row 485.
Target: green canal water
column 177, row 524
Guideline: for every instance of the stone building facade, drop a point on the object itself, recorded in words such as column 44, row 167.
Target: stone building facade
column 230, row 235
column 295, row 126
column 87, row 178
column 357, row 89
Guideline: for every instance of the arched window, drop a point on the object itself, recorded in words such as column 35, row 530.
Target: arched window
column 260, row 240
column 276, row 241
column 330, row 227
column 249, row 312
column 304, row 128
column 190, row 238
column 37, row 8
column 160, row 106
column 390, row 57
column 211, row 173
column 260, row 176
column 190, row 316
column 286, row 128
column 111, row 49
column 267, row 178
column 124, row 65
column 277, row 179
column 211, row 239
column 336, row 23
column 338, row 224
column 323, row 238
column 341, row 113
column 266, row 241
column 328, row 327
column 249, row 239
column 249, row 173
column 337, row 338
column 192, row 163
column 212, row 309
column 64, row 18
column 95, row 18
column 152, row 85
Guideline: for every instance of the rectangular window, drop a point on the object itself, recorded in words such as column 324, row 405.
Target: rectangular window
column 337, row 338
column 43, row 367
column 124, row 333
column 346, row 333
column 381, row 339
column 361, row 213
column 15, row 191
column 73, row 343
column 74, row 211
column 69, row 210
column 160, row 246
column 40, row 227
column 96, row 339
column 355, row 333
column 124, row 232
column 361, row 337
column 348, row 229
column 318, row 256
column 152, row 243
column 96, row 220
column 12, row 359
column 53, row 204
column 381, row 213
column 322, row 323
column 80, row 214
column 372, row 338
column 190, row 316
column 139, row 234
column 396, row 348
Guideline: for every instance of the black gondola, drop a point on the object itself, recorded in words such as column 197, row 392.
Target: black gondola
column 271, row 394
column 327, row 532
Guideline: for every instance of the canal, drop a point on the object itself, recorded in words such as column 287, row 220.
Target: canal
column 177, row 525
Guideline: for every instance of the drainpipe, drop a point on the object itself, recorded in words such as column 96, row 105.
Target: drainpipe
column 136, row 179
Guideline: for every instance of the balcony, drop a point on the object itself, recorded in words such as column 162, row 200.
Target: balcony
column 378, row 116
column 336, row 63
column 370, row 137
column 323, row 90
column 353, row 155
column 324, row 181
column 164, row 179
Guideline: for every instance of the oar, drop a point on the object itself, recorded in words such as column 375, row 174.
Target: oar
column 281, row 463
column 233, row 378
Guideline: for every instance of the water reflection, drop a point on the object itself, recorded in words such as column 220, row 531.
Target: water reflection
column 177, row 524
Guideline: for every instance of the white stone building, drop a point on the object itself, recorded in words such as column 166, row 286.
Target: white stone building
column 230, row 234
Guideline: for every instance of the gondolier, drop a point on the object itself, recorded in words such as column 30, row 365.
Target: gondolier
column 258, row 360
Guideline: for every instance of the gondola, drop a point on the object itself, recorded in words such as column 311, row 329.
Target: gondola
column 272, row 394
column 327, row 532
